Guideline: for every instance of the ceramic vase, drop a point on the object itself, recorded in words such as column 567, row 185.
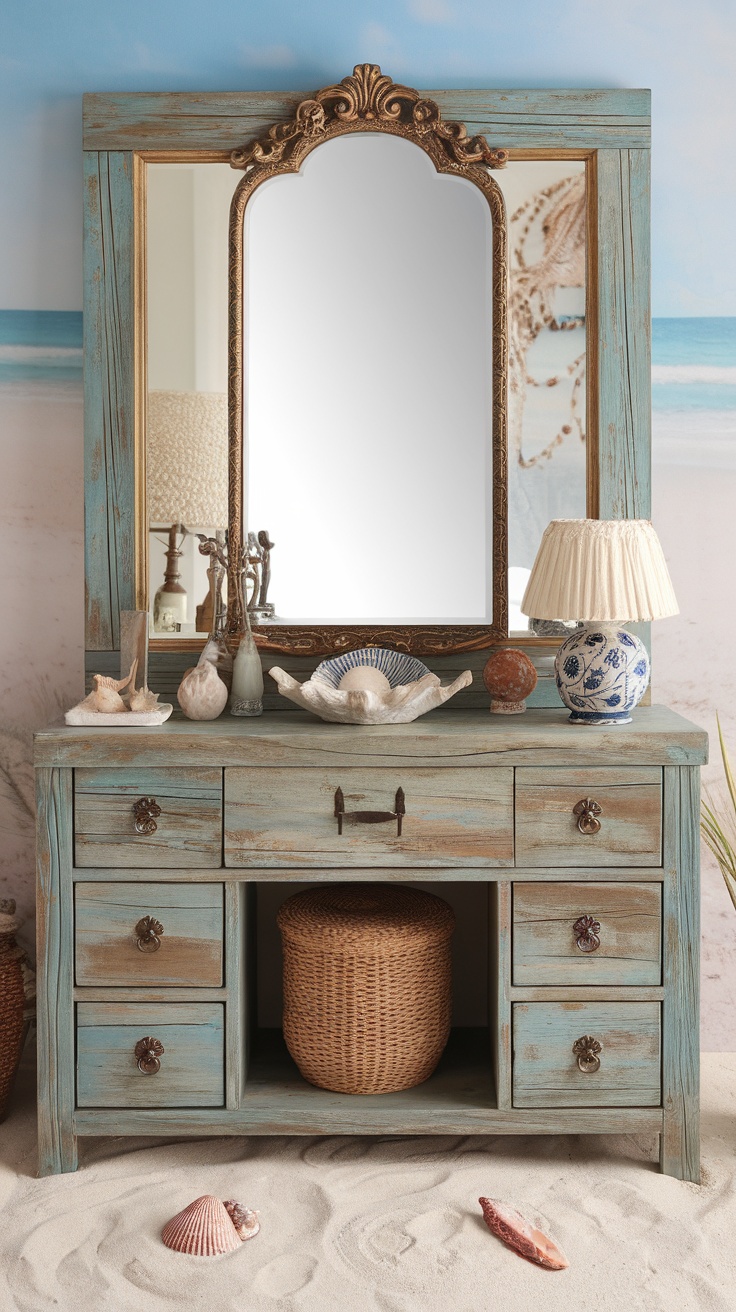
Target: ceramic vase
column 602, row 674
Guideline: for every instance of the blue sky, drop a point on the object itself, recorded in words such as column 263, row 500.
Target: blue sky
column 51, row 52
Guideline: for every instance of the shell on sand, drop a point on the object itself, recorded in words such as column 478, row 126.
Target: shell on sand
column 516, row 1232
column 203, row 1229
column 244, row 1219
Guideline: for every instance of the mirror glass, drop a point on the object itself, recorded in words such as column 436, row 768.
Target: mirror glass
column 344, row 350
column 187, row 214
column 368, row 387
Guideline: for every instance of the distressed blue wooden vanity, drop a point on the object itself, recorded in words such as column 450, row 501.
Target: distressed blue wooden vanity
column 157, row 847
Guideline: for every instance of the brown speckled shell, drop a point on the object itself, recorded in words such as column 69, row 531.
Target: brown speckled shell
column 509, row 675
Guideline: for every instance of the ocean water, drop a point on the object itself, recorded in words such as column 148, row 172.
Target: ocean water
column 694, row 364
column 40, row 345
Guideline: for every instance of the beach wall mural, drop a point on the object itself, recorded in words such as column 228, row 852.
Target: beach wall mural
column 51, row 55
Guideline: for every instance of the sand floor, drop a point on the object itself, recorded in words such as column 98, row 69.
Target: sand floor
column 373, row 1225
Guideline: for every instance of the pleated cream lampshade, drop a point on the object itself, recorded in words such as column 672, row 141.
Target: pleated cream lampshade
column 603, row 572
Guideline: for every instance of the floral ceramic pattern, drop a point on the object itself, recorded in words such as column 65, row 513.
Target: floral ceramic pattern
column 602, row 673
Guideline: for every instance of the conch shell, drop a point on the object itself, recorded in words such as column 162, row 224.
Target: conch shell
column 209, row 1227
column 105, row 695
column 142, row 699
column 514, row 1231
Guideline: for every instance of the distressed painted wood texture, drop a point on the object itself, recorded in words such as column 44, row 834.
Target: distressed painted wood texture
column 57, row 1145
column 546, row 1072
column 219, row 121
column 500, row 977
column 192, row 1065
column 109, row 394
column 680, row 1141
column 546, row 947
column 453, row 817
column 656, row 736
column 106, row 944
column 547, row 830
column 188, row 830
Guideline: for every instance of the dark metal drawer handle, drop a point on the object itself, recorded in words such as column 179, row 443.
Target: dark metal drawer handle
column 370, row 817
column 586, row 930
column 588, row 1050
column 587, row 812
column 148, row 1052
column 146, row 811
column 148, row 933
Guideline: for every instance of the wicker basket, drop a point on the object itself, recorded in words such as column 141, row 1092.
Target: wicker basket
column 12, row 1003
column 367, row 985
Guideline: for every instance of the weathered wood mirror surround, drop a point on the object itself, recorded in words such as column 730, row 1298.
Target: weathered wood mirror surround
column 606, row 133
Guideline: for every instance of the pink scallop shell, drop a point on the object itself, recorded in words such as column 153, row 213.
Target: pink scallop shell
column 203, row 1229
column 516, row 1232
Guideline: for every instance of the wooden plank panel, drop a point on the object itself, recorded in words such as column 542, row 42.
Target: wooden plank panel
column 500, row 967
column 657, row 736
column 188, row 831
column 453, row 817
column 547, row 828
column 546, row 1072
column 456, row 874
column 680, row 1143
column 192, row 1065
column 57, row 1145
column 624, row 335
column 191, row 945
column 546, row 947
column 220, row 121
column 236, row 1009
column 109, row 394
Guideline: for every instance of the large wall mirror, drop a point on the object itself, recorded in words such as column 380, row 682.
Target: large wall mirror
column 393, row 479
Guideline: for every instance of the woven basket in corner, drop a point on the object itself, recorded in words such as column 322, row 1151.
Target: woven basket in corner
column 367, row 985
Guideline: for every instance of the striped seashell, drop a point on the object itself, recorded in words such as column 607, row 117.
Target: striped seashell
column 203, row 1229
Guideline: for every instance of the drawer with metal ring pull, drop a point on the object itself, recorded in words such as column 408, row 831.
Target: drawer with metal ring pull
column 587, row 933
column 369, row 817
column 143, row 1055
column 139, row 933
column 582, row 817
column 148, row 818
column 586, row 1054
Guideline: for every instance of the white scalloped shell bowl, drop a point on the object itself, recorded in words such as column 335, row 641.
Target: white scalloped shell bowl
column 413, row 689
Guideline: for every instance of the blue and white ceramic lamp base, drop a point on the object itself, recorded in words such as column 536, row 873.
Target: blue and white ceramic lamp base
column 602, row 674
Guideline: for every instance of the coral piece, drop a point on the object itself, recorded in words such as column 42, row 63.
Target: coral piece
column 202, row 694
column 509, row 676
column 513, row 1230
column 203, row 1229
column 244, row 1219
column 142, row 699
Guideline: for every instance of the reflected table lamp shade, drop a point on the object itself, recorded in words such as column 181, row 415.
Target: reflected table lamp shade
column 603, row 572
column 186, row 482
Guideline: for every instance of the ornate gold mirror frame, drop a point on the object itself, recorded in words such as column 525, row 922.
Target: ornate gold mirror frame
column 368, row 101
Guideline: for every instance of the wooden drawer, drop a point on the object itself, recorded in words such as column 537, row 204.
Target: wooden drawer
column 186, row 833
column 111, row 950
column 546, row 1071
column 550, row 946
column 630, row 816
column 192, row 1067
column 286, row 817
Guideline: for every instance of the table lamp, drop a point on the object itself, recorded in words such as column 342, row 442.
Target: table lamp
column 603, row 572
column 186, row 482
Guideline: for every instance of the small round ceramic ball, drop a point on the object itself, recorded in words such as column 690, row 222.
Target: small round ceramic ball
column 364, row 678
column 509, row 676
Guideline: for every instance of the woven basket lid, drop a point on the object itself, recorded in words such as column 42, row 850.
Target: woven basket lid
column 387, row 917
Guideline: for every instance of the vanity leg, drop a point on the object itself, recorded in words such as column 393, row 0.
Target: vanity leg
column 57, row 1144
column 680, row 1139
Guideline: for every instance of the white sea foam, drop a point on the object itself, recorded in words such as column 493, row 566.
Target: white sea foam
column 40, row 355
column 693, row 373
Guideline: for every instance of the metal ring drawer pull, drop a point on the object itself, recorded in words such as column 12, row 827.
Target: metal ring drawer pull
column 370, row 817
column 146, row 811
column 588, row 1050
column 148, row 1052
column 587, row 812
column 586, row 930
column 148, row 933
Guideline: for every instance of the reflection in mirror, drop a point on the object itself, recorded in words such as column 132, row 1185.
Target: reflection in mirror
column 368, row 387
column 186, row 414
column 545, row 202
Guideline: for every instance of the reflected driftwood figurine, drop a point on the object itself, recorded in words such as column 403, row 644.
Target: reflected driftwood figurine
column 258, row 572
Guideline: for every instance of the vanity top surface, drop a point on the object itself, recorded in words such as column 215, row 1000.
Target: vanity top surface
column 656, row 736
